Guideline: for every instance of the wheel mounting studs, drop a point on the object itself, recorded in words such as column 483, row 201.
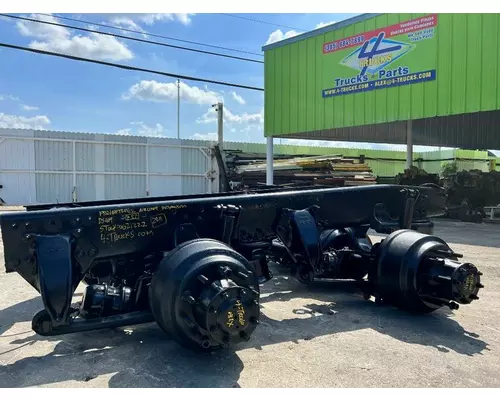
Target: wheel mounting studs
column 242, row 275
column 186, row 296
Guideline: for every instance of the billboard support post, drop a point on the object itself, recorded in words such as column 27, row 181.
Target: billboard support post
column 269, row 161
column 409, row 144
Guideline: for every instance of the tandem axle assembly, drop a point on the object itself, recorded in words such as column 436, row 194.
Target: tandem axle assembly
column 194, row 264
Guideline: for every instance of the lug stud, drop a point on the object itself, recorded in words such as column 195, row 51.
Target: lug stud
column 473, row 297
column 242, row 275
column 480, row 286
column 203, row 279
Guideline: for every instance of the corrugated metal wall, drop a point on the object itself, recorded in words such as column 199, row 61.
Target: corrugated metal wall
column 37, row 166
column 47, row 166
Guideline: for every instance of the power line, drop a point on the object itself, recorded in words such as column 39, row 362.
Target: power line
column 129, row 67
column 132, row 38
column 263, row 22
column 148, row 34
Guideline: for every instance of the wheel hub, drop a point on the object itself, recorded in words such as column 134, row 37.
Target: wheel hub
column 228, row 312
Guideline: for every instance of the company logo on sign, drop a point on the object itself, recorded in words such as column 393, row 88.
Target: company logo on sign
column 376, row 54
column 377, row 57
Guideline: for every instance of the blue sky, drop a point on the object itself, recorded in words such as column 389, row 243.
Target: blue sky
column 38, row 91
column 59, row 94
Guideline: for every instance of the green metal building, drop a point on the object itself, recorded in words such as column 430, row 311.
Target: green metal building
column 419, row 79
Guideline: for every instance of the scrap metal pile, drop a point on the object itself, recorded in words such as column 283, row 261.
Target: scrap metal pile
column 195, row 264
column 468, row 192
column 248, row 170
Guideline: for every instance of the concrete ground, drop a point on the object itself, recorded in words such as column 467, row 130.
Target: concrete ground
column 326, row 337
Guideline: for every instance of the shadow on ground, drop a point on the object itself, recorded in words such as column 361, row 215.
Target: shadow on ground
column 143, row 356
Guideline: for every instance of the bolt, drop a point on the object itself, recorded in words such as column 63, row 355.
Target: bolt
column 14, row 226
column 187, row 297
column 211, row 310
column 79, row 254
column 92, row 252
column 78, row 232
column 203, row 279
column 243, row 292
column 254, row 321
column 242, row 275
column 27, row 237
column 77, row 220
column 215, row 286
column 27, row 225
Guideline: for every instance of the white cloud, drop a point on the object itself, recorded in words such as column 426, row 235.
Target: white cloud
column 20, row 122
column 252, row 119
column 133, row 20
column 322, row 24
column 8, row 97
column 60, row 39
column 29, row 108
column 126, row 22
column 278, row 35
column 204, row 136
column 238, row 98
column 150, row 19
column 164, row 92
column 143, row 129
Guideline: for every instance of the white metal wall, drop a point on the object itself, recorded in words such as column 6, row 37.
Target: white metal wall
column 50, row 167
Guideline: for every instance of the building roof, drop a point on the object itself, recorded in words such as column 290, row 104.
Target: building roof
column 320, row 31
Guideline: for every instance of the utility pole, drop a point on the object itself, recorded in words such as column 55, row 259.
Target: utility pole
column 178, row 109
column 219, row 107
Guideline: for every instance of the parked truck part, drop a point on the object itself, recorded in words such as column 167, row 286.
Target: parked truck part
column 194, row 264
